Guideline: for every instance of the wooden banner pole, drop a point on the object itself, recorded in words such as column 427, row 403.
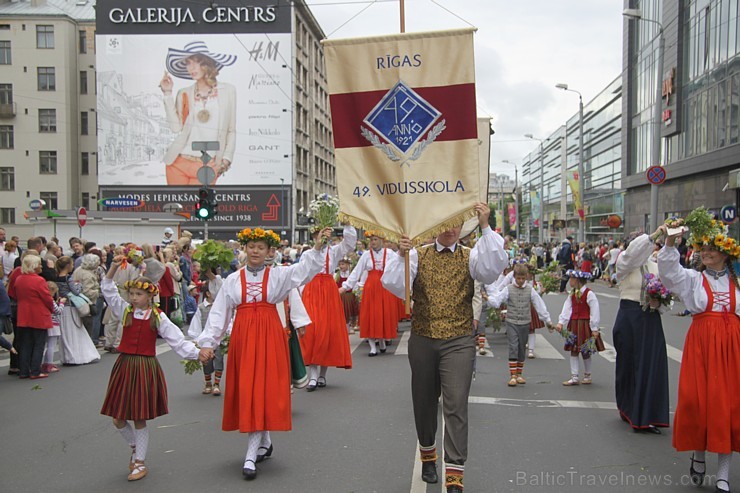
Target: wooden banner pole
column 403, row 16
column 407, row 274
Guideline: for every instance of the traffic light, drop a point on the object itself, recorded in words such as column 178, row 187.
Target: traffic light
column 206, row 207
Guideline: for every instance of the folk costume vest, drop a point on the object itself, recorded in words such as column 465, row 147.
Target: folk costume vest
column 518, row 306
column 579, row 306
column 139, row 337
column 443, row 294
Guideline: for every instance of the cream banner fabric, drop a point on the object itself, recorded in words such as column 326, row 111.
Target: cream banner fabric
column 405, row 131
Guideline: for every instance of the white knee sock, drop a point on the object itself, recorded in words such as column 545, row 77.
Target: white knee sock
column 127, row 432
column 323, row 371
column 574, row 366
column 142, row 443
column 266, row 440
column 382, row 344
column 51, row 345
column 313, row 372
column 723, row 469
column 253, row 444
column 373, row 346
column 530, row 341
column 587, row 365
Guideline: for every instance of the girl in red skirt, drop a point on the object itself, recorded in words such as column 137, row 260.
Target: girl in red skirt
column 708, row 408
column 581, row 315
column 326, row 342
column 349, row 301
column 257, row 393
column 379, row 313
column 137, row 390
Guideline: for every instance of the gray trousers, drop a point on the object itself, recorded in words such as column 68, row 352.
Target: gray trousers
column 517, row 336
column 442, row 367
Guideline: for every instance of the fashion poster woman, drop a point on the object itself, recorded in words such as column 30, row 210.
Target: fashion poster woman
column 204, row 111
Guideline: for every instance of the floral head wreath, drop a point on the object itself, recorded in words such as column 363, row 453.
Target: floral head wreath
column 716, row 237
column 578, row 274
column 371, row 232
column 147, row 286
column 518, row 261
column 258, row 234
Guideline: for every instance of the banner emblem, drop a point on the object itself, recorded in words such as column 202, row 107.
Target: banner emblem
column 402, row 117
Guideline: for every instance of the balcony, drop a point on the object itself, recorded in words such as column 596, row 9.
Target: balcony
column 7, row 110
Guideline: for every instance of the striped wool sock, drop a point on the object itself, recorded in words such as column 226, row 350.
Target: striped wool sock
column 519, row 367
column 454, row 475
column 513, row 367
column 208, row 378
column 428, row 454
column 217, row 377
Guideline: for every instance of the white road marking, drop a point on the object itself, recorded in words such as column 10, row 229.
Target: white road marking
column 403, row 344
column 674, row 353
column 500, row 401
column 544, row 350
column 610, row 354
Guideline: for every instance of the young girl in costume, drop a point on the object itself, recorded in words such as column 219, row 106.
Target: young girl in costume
column 326, row 342
column 257, row 393
column 581, row 315
column 519, row 298
column 349, row 301
column 708, row 408
column 137, row 390
column 379, row 311
column 212, row 370
column 52, row 335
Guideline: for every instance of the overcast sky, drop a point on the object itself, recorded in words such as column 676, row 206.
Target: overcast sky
column 522, row 49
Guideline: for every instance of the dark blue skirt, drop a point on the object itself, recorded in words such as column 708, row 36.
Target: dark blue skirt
column 641, row 383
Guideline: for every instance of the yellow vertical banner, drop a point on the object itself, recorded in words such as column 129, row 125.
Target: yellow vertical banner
column 576, row 190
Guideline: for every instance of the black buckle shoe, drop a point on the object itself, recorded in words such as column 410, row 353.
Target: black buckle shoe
column 453, row 488
column 249, row 474
column 717, row 489
column 429, row 472
column 697, row 478
column 261, row 457
column 311, row 385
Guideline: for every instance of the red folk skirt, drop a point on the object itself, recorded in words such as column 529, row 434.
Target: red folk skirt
column 536, row 323
column 582, row 329
column 350, row 305
column 137, row 389
column 257, row 394
column 326, row 342
column 708, row 409
column 379, row 314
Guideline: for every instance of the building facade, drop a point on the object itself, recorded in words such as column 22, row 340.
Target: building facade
column 49, row 113
column 545, row 171
column 700, row 106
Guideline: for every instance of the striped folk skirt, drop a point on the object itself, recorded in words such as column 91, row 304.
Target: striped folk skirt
column 137, row 389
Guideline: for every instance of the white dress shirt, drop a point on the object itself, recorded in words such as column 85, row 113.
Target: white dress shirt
column 593, row 305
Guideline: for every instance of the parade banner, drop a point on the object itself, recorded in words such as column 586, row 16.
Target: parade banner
column 405, row 131
column 499, row 220
column 512, row 216
column 534, row 198
column 575, row 189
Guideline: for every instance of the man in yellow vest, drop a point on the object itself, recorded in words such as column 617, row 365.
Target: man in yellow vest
column 442, row 344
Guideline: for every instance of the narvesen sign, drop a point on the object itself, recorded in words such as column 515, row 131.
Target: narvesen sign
column 121, row 203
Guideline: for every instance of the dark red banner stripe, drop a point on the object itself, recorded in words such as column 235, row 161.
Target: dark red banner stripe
column 456, row 103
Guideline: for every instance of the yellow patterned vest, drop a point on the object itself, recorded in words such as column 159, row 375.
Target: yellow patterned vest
column 443, row 294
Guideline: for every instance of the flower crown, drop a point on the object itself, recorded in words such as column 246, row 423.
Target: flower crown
column 578, row 274
column 716, row 237
column 258, row 234
column 371, row 232
column 147, row 286
column 518, row 261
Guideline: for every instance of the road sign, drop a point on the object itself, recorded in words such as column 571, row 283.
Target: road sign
column 36, row 204
column 728, row 214
column 206, row 175
column 656, row 175
column 81, row 216
column 172, row 207
column 121, row 203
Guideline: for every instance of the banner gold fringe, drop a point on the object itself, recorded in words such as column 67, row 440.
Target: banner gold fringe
column 394, row 236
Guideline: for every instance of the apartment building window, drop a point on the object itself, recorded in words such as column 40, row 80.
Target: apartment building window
column 85, row 163
column 45, row 37
column 47, row 80
column 47, row 120
column 84, row 123
column 6, row 136
column 50, row 198
column 48, row 162
column 83, row 82
column 7, row 215
column 5, row 58
column 6, row 93
column 83, row 41
column 85, row 200
column 7, row 179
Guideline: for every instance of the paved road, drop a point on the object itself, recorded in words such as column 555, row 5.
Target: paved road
column 356, row 435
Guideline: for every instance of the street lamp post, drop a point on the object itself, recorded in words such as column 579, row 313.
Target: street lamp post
column 581, row 181
column 636, row 14
column 542, row 186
